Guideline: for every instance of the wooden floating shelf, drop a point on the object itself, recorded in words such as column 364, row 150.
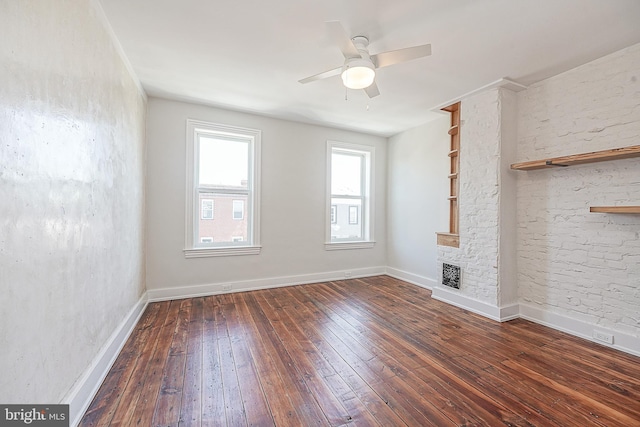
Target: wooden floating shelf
column 453, row 130
column 577, row 159
column 453, row 153
column 616, row 209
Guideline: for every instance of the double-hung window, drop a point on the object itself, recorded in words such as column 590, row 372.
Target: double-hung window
column 349, row 196
column 222, row 190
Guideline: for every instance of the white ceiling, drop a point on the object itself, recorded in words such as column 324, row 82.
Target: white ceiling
column 248, row 55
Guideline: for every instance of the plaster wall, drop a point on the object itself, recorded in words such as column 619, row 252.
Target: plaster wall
column 417, row 207
column 71, row 195
column 293, row 210
column 579, row 265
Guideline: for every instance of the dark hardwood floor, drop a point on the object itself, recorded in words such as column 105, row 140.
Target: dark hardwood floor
column 366, row 352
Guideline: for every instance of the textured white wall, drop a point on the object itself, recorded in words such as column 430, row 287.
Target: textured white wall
column 487, row 200
column 479, row 198
column 293, row 201
column 71, row 195
column 417, row 191
column 582, row 265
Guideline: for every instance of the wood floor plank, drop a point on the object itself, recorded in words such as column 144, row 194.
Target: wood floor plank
column 306, row 406
column 475, row 403
column 383, row 379
column 361, row 352
column 167, row 410
column 191, row 403
column 283, row 410
column 234, row 406
column 313, row 323
column 142, row 413
column 253, row 397
column 213, row 411
column 287, row 330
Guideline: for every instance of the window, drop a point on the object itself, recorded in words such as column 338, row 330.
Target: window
column 353, row 214
column 222, row 171
column 349, row 196
column 238, row 209
column 207, row 209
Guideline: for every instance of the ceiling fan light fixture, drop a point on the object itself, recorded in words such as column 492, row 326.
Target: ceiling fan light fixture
column 358, row 73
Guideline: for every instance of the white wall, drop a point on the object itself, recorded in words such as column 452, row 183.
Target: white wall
column 508, row 243
column 479, row 198
column 487, row 200
column 292, row 210
column 417, row 206
column 71, row 195
column 581, row 267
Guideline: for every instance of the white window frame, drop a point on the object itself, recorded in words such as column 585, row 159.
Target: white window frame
column 367, row 198
column 334, row 214
column 193, row 247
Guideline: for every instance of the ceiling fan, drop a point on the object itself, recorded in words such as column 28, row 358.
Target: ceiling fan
column 358, row 70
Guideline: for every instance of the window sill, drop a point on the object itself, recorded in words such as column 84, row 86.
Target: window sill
column 338, row 246
column 213, row 252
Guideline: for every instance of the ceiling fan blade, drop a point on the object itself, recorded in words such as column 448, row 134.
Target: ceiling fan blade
column 340, row 37
column 372, row 90
column 391, row 57
column 323, row 75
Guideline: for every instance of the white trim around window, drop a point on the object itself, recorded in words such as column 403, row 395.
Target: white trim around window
column 362, row 237
column 194, row 248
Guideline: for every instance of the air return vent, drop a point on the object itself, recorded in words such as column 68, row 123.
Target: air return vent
column 451, row 275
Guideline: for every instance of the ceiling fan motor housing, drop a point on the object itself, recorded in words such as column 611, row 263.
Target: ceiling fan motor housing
column 359, row 72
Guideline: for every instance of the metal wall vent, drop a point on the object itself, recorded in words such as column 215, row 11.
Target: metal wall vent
column 451, row 275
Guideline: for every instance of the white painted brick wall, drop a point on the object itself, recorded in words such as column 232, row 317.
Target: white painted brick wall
column 479, row 199
column 578, row 264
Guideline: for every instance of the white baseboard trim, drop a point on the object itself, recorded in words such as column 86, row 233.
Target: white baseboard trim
column 164, row 294
column 416, row 279
column 621, row 341
column 82, row 393
column 499, row 314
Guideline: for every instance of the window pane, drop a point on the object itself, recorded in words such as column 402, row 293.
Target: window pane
column 225, row 227
column 346, row 174
column 353, row 215
column 207, row 209
column 346, row 211
column 238, row 209
column 224, row 162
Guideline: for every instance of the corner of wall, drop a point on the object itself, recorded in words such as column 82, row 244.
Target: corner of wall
column 102, row 17
column 84, row 390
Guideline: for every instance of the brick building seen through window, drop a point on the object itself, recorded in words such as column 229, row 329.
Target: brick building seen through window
column 222, row 218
